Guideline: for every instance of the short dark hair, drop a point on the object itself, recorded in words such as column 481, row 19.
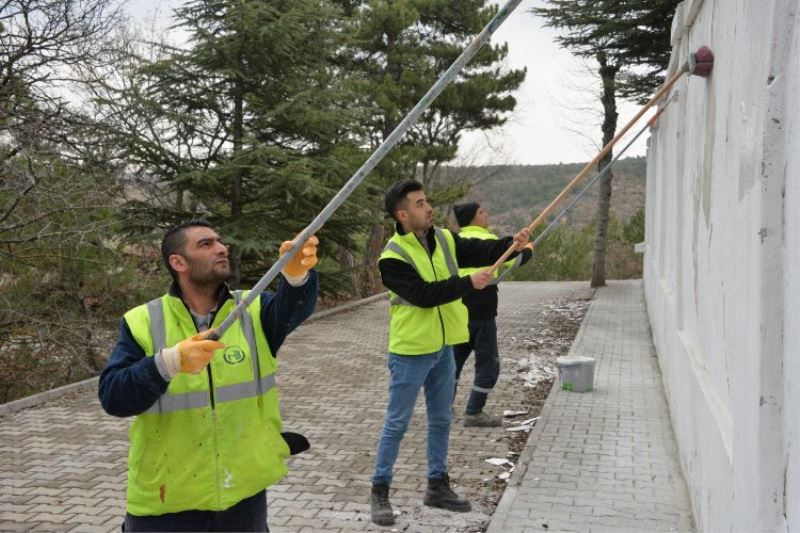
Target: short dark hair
column 397, row 193
column 174, row 241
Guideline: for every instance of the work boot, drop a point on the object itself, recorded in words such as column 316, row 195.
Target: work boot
column 482, row 420
column 439, row 494
column 381, row 509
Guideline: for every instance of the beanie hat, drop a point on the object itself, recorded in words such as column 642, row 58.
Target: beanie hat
column 465, row 212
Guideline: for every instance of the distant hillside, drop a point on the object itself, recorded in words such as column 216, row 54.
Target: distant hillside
column 516, row 194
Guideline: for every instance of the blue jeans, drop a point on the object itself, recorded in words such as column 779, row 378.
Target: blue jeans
column 482, row 339
column 408, row 373
column 249, row 514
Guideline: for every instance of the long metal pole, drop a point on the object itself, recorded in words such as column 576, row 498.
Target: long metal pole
column 661, row 92
column 393, row 138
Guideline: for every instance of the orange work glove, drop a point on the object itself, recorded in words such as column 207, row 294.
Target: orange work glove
column 303, row 261
column 190, row 356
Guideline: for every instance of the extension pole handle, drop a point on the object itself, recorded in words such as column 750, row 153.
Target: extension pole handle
column 373, row 160
column 661, row 92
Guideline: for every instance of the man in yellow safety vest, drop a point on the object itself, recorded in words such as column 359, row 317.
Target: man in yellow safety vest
column 419, row 266
column 473, row 221
column 206, row 441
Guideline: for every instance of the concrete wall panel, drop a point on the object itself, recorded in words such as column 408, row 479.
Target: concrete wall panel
column 722, row 261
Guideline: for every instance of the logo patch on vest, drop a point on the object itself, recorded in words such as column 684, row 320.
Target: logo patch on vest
column 233, row 355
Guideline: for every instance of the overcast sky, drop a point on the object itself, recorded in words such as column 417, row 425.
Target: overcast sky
column 557, row 118
column 558, row 113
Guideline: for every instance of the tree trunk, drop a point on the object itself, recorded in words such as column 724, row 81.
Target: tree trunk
column 347, row 261
column 179, row 200
column 608, row 75
column 372, row 251
column 369, row 279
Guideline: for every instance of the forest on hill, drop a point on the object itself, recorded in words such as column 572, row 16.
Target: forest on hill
column 515, row 194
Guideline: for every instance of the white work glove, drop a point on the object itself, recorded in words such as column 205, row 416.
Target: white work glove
column 190, row 356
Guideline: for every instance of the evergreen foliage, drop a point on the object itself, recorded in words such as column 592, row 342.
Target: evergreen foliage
column 634, row 36
column 251, row 125
column 400, row 49
column 254, row 124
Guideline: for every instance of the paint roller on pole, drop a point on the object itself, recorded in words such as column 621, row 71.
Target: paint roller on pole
column 376, row 157
column 699, row 63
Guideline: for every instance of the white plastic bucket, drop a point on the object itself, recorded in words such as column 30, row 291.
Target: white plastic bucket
column 576, row 373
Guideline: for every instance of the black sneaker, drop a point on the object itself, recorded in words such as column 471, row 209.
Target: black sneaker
column 439, row 494
column 382, row 513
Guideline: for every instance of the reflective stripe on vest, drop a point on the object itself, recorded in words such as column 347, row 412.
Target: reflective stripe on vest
column 214, row 442
column 250, row 335
column 448, row 258
column 169, row 403
column 393, row 246
column 415, row 330
column 448, row 255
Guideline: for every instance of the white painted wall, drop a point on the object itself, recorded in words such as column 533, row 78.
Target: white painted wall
column 722, row 261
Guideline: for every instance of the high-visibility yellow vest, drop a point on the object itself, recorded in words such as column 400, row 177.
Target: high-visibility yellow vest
column 416, row 330
column 479, row 232
column 212, row 439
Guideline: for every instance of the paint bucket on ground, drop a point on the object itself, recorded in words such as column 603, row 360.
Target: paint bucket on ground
column 576, row 373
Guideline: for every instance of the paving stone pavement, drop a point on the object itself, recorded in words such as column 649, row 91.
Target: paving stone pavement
column 604, row 460
column 63, row 463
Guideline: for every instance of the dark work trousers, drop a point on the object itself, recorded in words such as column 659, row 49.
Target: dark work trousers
column 483, row 340
column 249, row 514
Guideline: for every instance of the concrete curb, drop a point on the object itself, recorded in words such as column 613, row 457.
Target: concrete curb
column 91, row 383
column 346, row 307
column 46, row 396
column 526, row 457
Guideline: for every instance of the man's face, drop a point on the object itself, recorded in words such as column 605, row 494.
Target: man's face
column 415, row 213
column 204, row 259
column 481, row 218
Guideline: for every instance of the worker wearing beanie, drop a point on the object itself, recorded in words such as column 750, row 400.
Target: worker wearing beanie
column 419, row 266
column 482, row 308
column 207, row 439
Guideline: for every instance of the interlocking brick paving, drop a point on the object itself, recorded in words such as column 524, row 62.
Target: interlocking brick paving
column 63, row 463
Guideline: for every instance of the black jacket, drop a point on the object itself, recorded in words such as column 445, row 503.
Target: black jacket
column 401, row 278
column 483, row 304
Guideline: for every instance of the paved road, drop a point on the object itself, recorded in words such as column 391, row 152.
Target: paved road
column 63, row 463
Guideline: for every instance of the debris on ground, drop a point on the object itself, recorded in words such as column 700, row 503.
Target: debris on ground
column 532, row 362
column 549, row 339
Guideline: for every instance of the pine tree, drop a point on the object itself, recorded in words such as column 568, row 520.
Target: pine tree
column 630, row 40
column 401, row 48
column 249, row 125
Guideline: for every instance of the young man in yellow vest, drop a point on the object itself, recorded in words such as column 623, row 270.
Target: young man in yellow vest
column 473, row 222
column 419, row 266
column 206, row 440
